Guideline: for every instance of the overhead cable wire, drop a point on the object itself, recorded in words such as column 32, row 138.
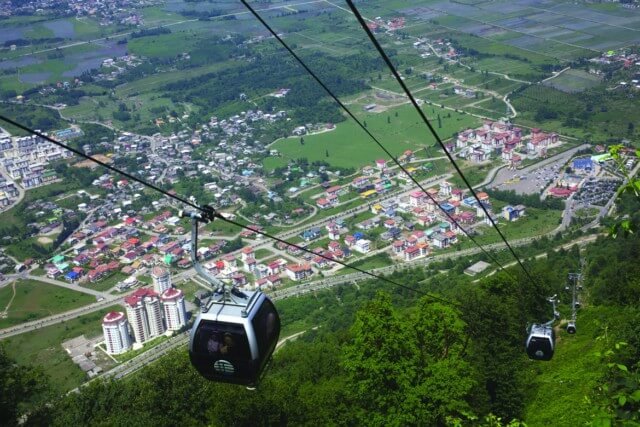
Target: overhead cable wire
column 101, row 163
column 361, row 125
column 344, row 264
column 212, row 213
column 413, row 100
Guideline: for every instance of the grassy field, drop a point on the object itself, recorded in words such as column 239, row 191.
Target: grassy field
column 107, row 283
column 262, row 253
column 574, row 81
column 189, row 288
column 351, row 147
column 536, row 223
column 43, row 348
column 574, row 372
column 34, row 300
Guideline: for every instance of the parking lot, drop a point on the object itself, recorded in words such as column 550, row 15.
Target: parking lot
column 533, row 179
column 597, row 191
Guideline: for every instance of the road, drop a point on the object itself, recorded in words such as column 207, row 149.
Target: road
column 581, row 241
column 57, row 318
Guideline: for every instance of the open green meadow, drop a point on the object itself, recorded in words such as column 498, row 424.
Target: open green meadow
column 348, row 146
column 106, row 283
column 34, row 300
column 43, row 348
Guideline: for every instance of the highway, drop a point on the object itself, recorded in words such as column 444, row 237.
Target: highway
column 58, row 318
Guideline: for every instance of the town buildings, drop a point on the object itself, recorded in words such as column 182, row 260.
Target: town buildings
column 145, row 314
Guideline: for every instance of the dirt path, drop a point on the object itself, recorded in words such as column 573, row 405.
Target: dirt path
column 5, row 313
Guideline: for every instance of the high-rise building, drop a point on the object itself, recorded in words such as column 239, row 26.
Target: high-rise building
column 175, row 314
column 116, row 332
column 145, row 314
column 161, row 279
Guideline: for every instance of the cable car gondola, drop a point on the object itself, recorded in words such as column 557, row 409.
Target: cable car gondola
column 571, row 328
column 541, row 339
column 233, row 340
column 541, row 342
column 235, row 334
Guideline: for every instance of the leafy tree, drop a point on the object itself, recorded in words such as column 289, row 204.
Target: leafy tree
column 19, row 386
column 380, row 364
column 408, row 371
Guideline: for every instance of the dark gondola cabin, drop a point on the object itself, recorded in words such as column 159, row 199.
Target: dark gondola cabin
column 540, row 342
column 233, row 340
column 571, row 328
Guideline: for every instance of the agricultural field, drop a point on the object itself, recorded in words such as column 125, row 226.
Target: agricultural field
column 573, row 81
column 27, row 300
column 352, row 148
column 554, row 30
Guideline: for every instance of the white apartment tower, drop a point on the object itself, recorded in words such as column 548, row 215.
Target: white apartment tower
column 175, row 314
column 116, row 332
column 161, row 279
column 145, row 314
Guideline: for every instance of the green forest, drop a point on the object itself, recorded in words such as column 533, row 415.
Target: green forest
column 387, row 356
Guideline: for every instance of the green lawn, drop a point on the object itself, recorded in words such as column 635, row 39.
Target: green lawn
column 349, row 146
column 107, row 283
column 189, row 288
column 34, row 300
column 536, row 223
column 43, row 348
column 262, row 253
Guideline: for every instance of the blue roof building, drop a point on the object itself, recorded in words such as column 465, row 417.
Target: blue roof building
column 583, row 164
column 448, row 208
column 72, row 276
column 469, row 201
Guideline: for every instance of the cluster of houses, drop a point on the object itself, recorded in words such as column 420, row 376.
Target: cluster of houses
column 502, row 140
column 240, row 268
column 109, row 12
column 8, row 192
column 26, row 159
column 100, row 249
column 624, row 56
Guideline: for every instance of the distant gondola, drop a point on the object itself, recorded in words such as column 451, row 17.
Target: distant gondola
column 571, row 328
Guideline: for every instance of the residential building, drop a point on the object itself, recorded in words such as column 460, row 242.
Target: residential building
column 175, row 314
column 161, row 279
column 145, row 314
column 512, row 213
column 362, row 246
column 115, row 328
column 298, row 271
